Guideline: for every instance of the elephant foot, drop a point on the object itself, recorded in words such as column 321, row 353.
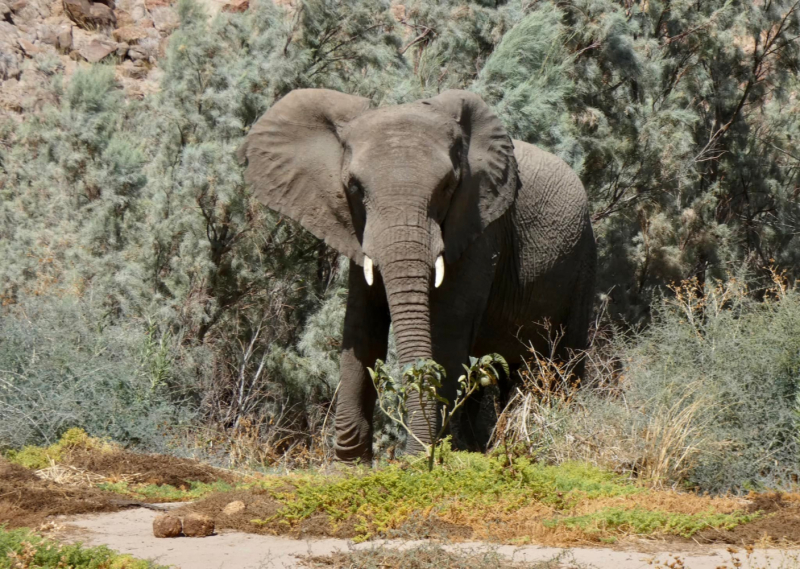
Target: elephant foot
column 353, row 455
column 353, row 441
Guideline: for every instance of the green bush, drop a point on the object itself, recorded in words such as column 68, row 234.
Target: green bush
column 22, row 548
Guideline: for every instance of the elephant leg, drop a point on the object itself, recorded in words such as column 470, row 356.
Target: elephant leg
column 365, row 339
column 451, row 355
column 576, row 338
column 478, row 417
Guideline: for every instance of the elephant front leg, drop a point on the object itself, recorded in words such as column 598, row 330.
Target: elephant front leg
column 365, row 339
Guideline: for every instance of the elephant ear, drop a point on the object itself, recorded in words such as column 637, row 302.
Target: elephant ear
column 294, row 161
column 489, row 178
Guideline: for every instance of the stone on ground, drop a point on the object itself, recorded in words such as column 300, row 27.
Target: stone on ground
column 197, row 525
column 166, row 526
column 233, row 508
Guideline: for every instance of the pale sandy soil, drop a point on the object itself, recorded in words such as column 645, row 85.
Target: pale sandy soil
column 130, row 531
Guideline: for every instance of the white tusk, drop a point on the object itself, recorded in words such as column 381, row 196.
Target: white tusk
column 368, row 270
column 439, row 271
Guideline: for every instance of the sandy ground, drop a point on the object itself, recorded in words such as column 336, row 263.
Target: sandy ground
column 130, row 531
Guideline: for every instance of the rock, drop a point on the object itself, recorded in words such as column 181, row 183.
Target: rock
column 236, row 6
column 102, row 14
column 197, row 525
column 29, row 49
column 150, row 4
column 233, row 508
column 137, row 54
column 166, row 525
column 131, row 70
column 4, row 9
column 144, row 50
column 165, row 19
column 122, row 50
column 89, row 15
column 79, row 11
column 7, row 33
column 28, row 12
column 65, row 39
column 97, row 50
column 48, row 34
column 130, row 34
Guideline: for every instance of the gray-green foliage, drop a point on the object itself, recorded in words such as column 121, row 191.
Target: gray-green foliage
column 708, row 396
column 66, row 363
column 741, row 358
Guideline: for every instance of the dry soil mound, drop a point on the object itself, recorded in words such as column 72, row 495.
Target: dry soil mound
column 27, row 501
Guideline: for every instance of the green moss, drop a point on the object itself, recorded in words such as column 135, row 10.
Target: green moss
column 22, row 548
column 641, row 521
column 35, row 457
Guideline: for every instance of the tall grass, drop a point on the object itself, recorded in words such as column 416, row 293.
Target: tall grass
column 706, row 396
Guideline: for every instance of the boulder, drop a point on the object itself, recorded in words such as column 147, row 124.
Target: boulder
column 233, row 508
column 28, row 12
column 165, row 19
column 65, row 38
column 131, row 12
column 136, row 53
column 89, row 15
column 48, row 34
column 133, row 71
column 166, row 525
column 4, row 10
column 236, row 6
column 130, row 34
column 97, row 50
column 197, row 525
column 28, row 48
column 102, row 14
column 144, row 50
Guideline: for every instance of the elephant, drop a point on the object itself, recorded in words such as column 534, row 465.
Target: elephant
column 462, row 239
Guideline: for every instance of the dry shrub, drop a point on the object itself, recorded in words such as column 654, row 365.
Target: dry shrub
column 706, row 395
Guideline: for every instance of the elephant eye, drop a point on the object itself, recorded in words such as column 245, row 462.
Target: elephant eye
column 354, row 186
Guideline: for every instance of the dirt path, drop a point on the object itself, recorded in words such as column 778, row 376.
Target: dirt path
column 130, row 531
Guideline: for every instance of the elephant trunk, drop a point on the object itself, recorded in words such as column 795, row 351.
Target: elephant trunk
column 406, row 265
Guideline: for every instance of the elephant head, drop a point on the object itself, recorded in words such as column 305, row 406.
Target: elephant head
column 402, row 189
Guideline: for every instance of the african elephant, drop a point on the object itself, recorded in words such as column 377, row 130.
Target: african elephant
column 462, row 238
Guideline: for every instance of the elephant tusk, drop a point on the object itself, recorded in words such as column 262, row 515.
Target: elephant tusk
column 368, row 270
column 439, row 271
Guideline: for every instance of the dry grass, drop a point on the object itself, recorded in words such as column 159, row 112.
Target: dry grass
column 66, row 474
column 658, row 439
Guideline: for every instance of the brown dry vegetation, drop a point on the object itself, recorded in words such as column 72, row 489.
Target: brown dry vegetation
column 28, row 498
column 28, row 501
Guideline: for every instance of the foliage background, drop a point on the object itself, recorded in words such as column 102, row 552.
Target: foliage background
column 138, row 275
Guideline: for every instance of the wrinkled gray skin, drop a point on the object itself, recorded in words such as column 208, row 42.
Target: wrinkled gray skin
column 403, row 185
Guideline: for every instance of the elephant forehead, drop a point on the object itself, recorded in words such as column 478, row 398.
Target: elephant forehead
column 403, row 124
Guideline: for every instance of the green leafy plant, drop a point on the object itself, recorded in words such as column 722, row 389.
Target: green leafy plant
column 424, row 378
column 21, row 548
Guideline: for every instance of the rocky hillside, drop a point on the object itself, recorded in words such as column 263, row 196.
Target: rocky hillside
column 41, row 37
